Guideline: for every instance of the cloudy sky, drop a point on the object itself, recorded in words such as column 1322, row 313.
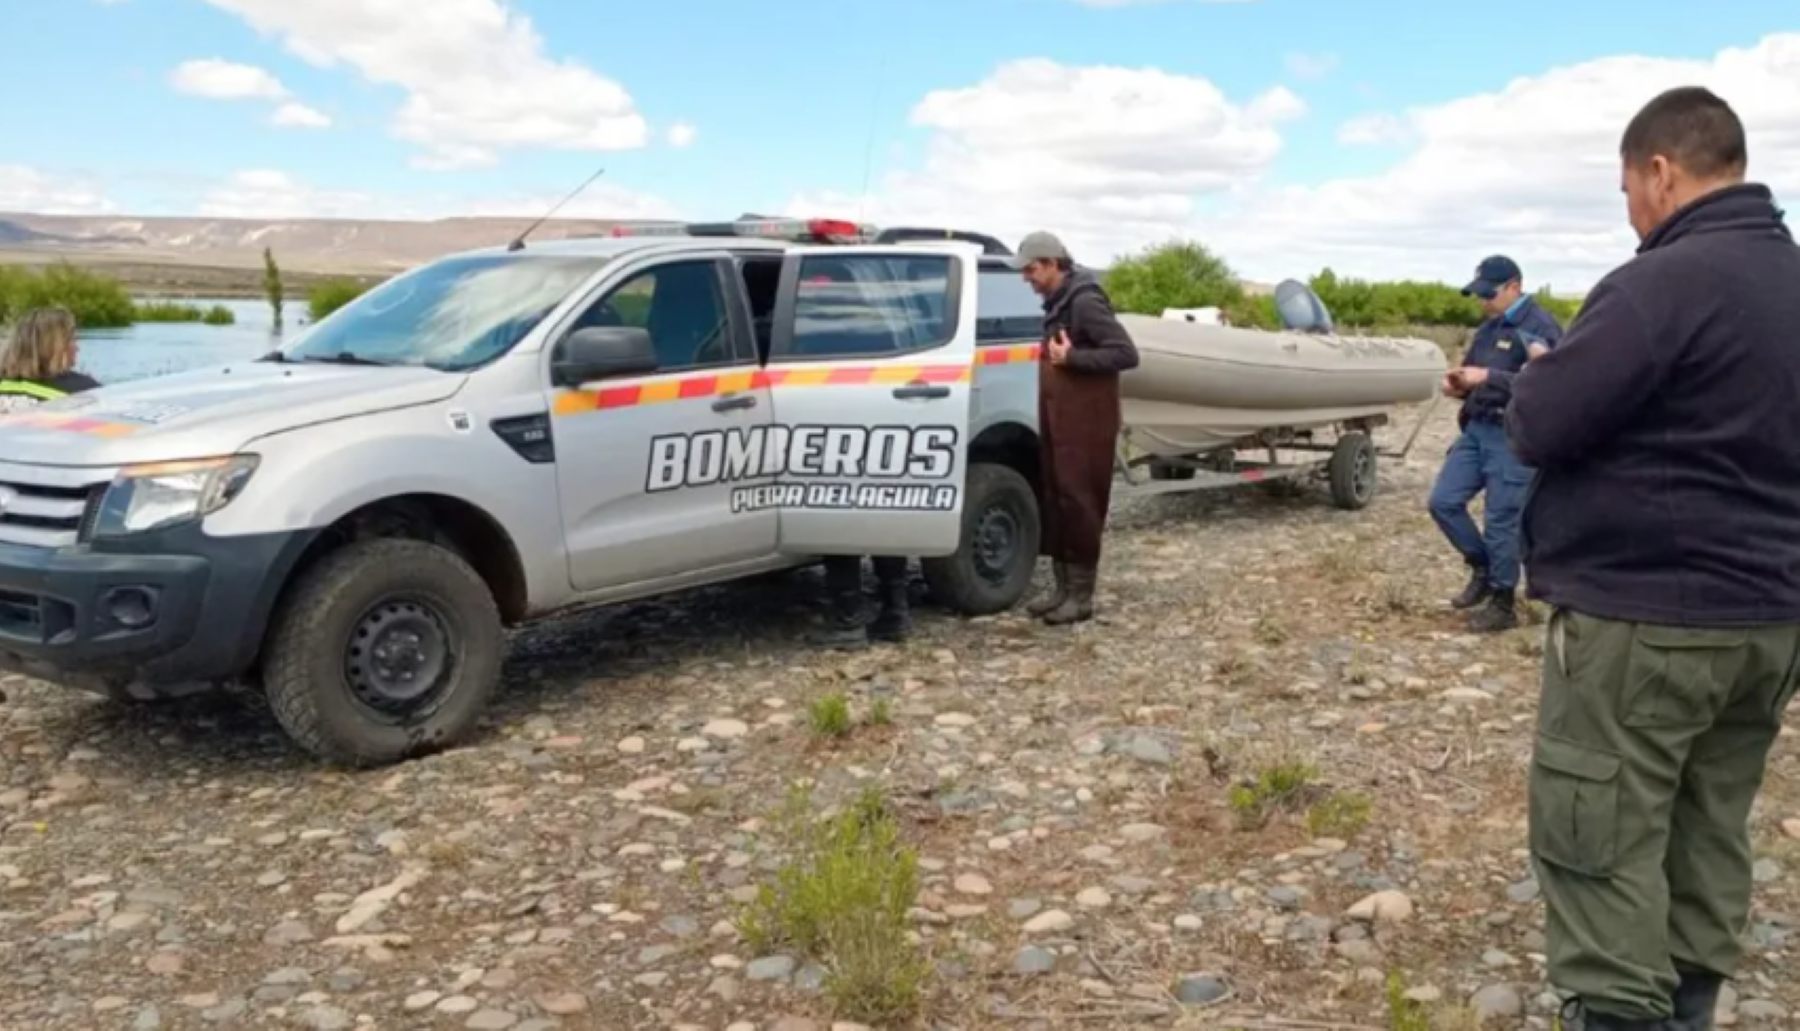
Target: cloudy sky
column 1382, row 138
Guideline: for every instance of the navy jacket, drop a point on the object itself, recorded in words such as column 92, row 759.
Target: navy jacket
column 1666, row 429
column 1499, row 346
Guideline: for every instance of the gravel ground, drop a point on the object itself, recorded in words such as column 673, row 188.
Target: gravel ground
column 1091, row 852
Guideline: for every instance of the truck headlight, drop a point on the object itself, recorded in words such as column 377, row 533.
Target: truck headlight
column 145, row 497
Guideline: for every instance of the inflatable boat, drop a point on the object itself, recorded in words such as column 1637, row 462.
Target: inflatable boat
column 1201, row 387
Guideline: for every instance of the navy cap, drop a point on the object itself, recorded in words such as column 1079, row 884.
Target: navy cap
column 1492, row 274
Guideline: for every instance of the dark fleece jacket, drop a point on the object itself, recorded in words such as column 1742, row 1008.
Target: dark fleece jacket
column 1098, row 344
column 1666, row 429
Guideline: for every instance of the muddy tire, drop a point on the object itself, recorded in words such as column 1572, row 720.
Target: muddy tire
column 992, row 569
column 1351, row 473
column 384, row 650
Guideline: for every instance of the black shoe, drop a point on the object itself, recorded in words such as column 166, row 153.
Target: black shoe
column 845, row 626
column 894, row 622
column 1575, row 1016
column 1500, row 613
column 1696, row 997
column 1476, row 591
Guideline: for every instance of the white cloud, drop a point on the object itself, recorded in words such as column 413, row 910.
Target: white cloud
column 1105, row 155
column 681, row 134
column 1115, row 159
column 273, row 194
column 215, row 79
column 1531, row 169
column 1311, row 66
column 29, row 190
column 475, row 73
column 299, row 116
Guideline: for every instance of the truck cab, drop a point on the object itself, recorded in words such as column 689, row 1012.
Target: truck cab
column 354, row 520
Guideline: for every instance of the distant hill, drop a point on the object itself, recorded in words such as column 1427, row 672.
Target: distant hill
column 302, row 244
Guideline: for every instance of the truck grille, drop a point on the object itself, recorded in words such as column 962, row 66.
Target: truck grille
column 48, row 506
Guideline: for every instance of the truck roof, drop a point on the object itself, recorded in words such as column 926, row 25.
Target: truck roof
column 748, row 233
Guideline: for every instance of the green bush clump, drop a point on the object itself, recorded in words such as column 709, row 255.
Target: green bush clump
column 97, row 301
column 330, row 295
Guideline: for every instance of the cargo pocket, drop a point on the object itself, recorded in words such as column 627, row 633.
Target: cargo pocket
column 1574, row 807
column 1678, row 677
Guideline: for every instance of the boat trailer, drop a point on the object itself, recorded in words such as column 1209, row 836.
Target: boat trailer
column 1346, row 462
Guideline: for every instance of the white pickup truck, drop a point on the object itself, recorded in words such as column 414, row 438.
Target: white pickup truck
column 354, row 520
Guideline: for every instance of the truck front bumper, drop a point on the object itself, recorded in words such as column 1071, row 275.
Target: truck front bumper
column 122, row 617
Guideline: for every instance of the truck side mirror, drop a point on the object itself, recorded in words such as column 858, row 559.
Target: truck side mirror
column 598, row 352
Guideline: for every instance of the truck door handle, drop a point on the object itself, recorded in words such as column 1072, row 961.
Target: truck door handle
column 913, row 391
column 733, row 402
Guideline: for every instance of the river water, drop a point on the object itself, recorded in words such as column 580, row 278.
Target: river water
column 159, row 348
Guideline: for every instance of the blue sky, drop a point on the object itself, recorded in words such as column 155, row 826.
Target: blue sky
column 787, row 98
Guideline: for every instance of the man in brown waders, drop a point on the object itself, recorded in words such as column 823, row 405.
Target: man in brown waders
column 1085, row 350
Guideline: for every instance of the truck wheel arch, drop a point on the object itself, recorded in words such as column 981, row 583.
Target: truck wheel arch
column 451, row 522
column 1013, row 445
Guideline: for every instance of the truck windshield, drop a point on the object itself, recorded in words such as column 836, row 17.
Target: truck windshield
column 453, row 314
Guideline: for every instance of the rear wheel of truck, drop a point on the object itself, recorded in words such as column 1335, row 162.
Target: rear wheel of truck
column 1351, row 472
column 992, row 569
column 384, row 650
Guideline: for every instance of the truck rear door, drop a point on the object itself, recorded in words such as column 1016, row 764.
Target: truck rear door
column 870, row 373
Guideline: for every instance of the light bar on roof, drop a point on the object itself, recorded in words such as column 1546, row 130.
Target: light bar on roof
column 796, row 230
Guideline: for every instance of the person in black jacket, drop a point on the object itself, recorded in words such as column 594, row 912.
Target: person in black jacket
column 1085, row 349
column 1664, row 532
column 1517, row 329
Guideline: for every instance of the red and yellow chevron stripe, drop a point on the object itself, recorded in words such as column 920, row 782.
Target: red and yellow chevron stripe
column 70, row 422
column 714, row 384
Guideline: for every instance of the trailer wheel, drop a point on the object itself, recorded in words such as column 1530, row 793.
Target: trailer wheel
column 1352, row 472
column 386, row 650
column 992, row 568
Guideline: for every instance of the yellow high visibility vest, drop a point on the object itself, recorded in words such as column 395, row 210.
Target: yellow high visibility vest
column 26, row 388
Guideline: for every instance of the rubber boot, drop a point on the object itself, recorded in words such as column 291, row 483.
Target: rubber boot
column 1475, row 592
column 846, row 624
column 1058, row 594
column 1575, row 1016
column 893, row 622
column 1078, row 605
column 1500, row 613
column 1696, row 998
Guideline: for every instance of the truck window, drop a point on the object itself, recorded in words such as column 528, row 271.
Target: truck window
column 681, row 306
column 865, row 306
column 453, row 314
column 1008, row 311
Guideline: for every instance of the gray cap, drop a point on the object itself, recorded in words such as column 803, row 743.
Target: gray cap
column 1040, row 246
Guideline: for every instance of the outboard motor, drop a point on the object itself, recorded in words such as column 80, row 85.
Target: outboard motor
column 1300, row 309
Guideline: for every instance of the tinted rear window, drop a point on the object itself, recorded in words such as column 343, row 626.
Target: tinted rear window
column 869, row 306
column 1007, row 309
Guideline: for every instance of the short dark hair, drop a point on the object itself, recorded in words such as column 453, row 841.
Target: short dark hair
column 1691, row 126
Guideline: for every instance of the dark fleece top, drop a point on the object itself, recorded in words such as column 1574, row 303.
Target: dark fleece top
column 1665, row 426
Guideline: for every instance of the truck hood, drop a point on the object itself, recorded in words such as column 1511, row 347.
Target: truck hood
column 210, row 411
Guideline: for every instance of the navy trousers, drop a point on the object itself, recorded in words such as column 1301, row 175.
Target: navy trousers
column 1481, row 462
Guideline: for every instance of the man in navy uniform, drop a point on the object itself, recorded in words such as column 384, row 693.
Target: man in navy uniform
column 1516, row 330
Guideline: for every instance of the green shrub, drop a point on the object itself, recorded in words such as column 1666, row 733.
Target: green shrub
column 97, row 301
column 842, row 899
column 219, row 315
column 331, row 294
column 167, row 311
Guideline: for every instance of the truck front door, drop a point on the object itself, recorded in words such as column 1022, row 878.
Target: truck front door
column 870, row 373
column 647, row 464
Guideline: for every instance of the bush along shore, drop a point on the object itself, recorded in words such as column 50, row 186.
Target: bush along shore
column 97, row 301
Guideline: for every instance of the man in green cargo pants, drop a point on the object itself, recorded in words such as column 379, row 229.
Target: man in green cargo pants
column 1664, row 532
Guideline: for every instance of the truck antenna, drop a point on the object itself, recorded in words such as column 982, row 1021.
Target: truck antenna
column 518, row 243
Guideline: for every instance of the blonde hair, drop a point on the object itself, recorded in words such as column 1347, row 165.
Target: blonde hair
column 42, row 346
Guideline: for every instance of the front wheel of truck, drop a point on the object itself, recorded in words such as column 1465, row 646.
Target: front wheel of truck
column 384, row 650
column 992, row 569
